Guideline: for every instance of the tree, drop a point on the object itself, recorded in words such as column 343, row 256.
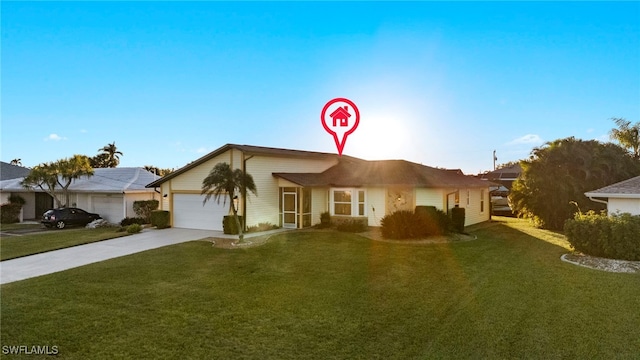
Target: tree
column 112, row 154
column 17, row 162
column 627, row 135
column 560, row 172
column 222, row 180
column 158, row 171
column 61, row 173
column 100, row 161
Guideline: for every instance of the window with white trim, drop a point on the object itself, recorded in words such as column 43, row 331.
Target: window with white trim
column 481, row 201
column 348, row 202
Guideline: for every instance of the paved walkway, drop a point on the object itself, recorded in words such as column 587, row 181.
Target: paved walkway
column 59, row 260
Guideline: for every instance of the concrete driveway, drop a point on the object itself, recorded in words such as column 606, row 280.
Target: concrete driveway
column 59, row 260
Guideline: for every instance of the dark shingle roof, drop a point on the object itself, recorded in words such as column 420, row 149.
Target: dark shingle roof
column 349, row 173
column 505, row 173
column 8, row 171
column 629, row 187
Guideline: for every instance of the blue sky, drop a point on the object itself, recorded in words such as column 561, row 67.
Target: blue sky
column 443, row 84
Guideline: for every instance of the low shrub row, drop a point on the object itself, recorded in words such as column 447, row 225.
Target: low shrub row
column 261, row 227
column 133, row 220
column 143, row 209
column 10, row 213
column 616, row 236
column 424, row 221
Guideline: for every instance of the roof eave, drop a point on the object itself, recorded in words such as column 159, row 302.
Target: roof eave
column 612, row 195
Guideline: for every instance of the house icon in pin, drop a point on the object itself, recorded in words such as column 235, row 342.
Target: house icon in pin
column 342, row 114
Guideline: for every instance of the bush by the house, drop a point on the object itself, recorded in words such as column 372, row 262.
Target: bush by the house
column 229, row 225
column 10, row 213
column 133, row 220
column 325, row 220
column 616, row 236
column 143, row 208
column 457, row 218
column 16, row 199
column 134, row 228
column 261, row 227
column 160, row 219
column 425, row 221
column 99, row 223
column 353, row 225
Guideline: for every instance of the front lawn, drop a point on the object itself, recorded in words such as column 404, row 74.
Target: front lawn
column 29, row 244
column 333, row 295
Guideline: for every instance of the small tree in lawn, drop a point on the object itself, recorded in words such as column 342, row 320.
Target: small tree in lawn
column 223, row 180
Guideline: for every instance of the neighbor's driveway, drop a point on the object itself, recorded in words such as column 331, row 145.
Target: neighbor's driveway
column 59, row 260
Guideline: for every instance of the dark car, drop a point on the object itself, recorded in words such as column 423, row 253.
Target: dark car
column 62, row 217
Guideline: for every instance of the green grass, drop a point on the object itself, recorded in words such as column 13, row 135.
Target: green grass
column 334, row 295
column 29, row 244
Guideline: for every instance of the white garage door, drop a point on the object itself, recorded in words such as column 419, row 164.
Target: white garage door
column 110, row 208
column 188, row 212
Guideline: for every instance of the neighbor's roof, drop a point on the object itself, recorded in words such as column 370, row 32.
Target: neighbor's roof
column 8, row 171
column 104, row 180
column 625, row 189
column 247, row 150
column 505, row 173
column 349, row 173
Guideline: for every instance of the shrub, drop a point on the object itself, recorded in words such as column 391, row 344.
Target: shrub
column 160, row 219
column 16, row 199
column 261, row 227
column 229, row 225
column 134, row 228
column 134, row 220
column 325, row 220
column 425, row 221
column 10, row 213
column 457, row 218
column 353, row 225
column 616, row 236
column 143, row 208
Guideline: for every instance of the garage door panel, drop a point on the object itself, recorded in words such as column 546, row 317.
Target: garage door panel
column 189, row 212
column 109, row 208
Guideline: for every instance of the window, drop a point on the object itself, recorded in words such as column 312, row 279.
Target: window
column 348, row 202
column 361, row 205
column 468, row 197
column 342, row 202
column 481, row 200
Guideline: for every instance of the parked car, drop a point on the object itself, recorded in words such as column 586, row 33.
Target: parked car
column 62, row 217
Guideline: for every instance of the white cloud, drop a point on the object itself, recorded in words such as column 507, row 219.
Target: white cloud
column 54, row 137
column 202, row 150
column 529, row 139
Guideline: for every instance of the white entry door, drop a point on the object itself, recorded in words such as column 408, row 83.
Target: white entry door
column 289, row 210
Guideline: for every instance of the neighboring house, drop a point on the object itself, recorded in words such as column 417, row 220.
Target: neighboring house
column 504, row 176
column 110, row 192
column 294, row 187
column 621, row 197
column 8, row 172
column 342, row 114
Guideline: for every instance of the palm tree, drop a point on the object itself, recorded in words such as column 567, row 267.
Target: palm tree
column 112, row 153
column 17, row 162
column 222, row 180
column 627, row 135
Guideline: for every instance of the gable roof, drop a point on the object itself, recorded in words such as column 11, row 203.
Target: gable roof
column 341, row 112
column 247, row 150
column 629, row 188
column 104, row 180
column 350, row 173
column 8, row 171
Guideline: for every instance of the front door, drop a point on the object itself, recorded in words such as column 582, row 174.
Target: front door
column 289, row 210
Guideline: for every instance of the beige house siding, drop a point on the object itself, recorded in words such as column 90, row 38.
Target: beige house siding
column 631, row 206
column 265, row 207
column 376, row 205
column 192, row 179
column 473, row 213
column 319, row 203
column 430, row 197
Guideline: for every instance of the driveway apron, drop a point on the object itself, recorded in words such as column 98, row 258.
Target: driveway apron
column 59, row 260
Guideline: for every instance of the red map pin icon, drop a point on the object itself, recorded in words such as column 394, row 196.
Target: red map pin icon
column 340, row 118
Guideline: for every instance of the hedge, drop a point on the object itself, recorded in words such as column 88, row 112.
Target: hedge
column 425, row 221
column 616, row 236
column 160, row 219
column 10, row 213
column 143, row 208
